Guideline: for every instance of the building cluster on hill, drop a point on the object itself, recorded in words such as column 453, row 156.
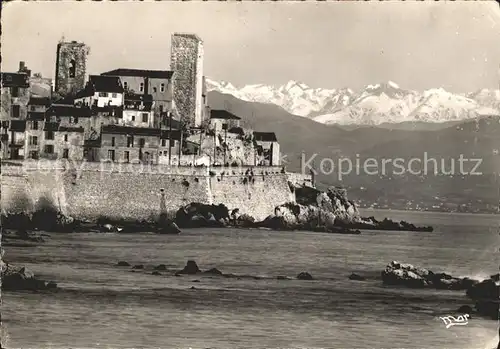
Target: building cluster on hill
column 125, row 115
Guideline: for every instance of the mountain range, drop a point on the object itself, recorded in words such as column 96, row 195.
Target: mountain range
column 378, row 104
column 471, row 139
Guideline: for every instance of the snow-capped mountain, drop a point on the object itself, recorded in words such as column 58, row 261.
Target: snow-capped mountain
column 373, row 105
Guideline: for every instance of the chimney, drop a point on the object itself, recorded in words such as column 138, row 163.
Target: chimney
column 22, row 66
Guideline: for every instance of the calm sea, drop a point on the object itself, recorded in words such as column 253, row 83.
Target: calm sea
column 104, row 306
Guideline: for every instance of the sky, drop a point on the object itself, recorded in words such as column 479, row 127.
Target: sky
column 419, row 45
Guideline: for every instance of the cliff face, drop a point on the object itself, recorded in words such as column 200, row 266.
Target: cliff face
column 318, row 209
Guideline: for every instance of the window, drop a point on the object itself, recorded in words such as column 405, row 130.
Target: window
column 34, row 125
column 33, row 107
column 111, row 155
column 72, row 68
column 154, row 89
column 49, row 149
column 125, row 85
column 141, row 88
column 162, row 88
column 65, row 153
column 112, row 141
column 144, row 117
column 73, row 120
column 33, row 154
column 33, row 140
column 15, row 111
column 103, row 94
column 133, row 117
column 163, row 142
column 49, row 134
column 114, row 95
column 130, row 141
column 172, row 142
column 15, row 91
column 142, row 142
column 66, row 138
column 126, row 156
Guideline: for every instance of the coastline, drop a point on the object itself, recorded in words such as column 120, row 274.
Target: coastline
column 90, row 277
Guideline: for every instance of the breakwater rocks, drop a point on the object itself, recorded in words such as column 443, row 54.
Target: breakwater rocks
column 402, row 274
column 16, row 278
column 330, row 211
column 46, row 219
column 370, row 223
column 192, row 269
column 484, row 294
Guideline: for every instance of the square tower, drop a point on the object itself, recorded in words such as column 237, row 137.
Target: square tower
column 71, row 65
column 187, row 82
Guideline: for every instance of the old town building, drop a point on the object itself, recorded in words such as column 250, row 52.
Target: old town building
column 14, row 102
column 270, row 147
column 154, row 83
column 100, row 91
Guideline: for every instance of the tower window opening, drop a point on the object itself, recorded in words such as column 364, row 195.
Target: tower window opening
column 72, row 68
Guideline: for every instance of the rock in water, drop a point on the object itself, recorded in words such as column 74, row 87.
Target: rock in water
column 304, row 276
column 16, row 279
column 486, row 295
column 356, row 277
column 410, row 276
column 123, row 264
column 169, row 227
column 465, row 309
column 191, row 268
column 213, row 271
column 160, row 267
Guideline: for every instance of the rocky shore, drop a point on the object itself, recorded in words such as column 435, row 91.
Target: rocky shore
column 483, row 294
column 16, row 278
column 330, row 211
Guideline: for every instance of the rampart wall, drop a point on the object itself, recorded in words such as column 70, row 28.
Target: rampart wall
column 132, row 191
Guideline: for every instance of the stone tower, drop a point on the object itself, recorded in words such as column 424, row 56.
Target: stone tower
column 187, row 64
column 71, row 67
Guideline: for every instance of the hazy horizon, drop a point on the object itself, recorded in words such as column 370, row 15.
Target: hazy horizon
column 418, row 45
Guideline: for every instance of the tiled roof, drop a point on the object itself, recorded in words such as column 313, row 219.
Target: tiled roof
column 265, row 136
column 176, row 134
column 36, row 115
column 139, row 131
column 45, row 101
column 71, row 129
column 15, row 80
column 88, row 91
column 155, row 74
column 222, row 114
column 67, row 110
column 68, row 100
column 102, row 83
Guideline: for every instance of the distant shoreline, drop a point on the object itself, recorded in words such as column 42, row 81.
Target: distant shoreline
column 430, row 212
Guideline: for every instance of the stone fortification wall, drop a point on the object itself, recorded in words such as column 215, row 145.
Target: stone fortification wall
column 25, row 189
column 131, row 191
column 254, row 190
